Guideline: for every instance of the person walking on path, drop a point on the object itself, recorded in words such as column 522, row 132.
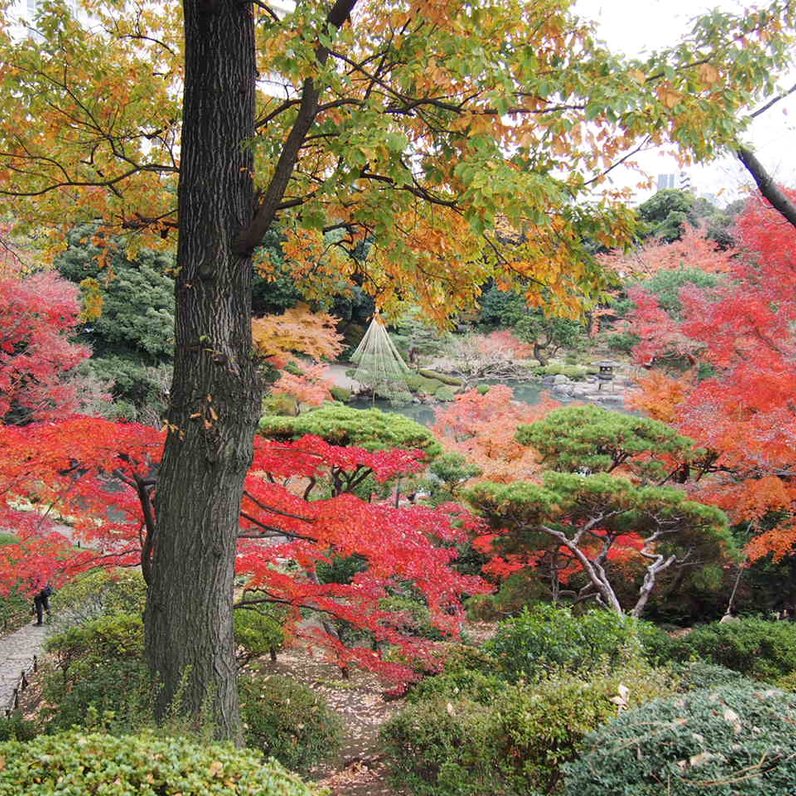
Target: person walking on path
column 41, row 599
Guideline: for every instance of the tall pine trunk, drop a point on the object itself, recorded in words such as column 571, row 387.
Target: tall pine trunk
column 215, row 398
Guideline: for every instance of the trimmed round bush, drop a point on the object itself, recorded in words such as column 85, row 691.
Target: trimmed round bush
column 539, row 727
column 259, row 631
column 289, row 721
column 460, row 683
column 546, row 638
column 100, row 679
column 735, row 742
column 138, row 765
column 100, row 592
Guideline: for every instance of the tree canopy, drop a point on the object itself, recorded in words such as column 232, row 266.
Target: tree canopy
column 423, row 130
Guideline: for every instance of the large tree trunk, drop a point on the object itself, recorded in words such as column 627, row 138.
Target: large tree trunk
column 215, row 399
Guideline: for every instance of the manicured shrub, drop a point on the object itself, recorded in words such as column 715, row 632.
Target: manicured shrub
column 451, row 381
column 538, row 728
column 556, row 368
column 445, row 393
column 427, row 386
column 95, row 642
column 341, row 394
column 459, row 684
column 547, row 637
column 761, row 649
column 735, row 742
column 289, row 721
column 465, row 657
column 144, row 765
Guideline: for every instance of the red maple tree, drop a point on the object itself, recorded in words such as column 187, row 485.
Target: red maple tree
column 38, row 315
column 305, row 503
column 740, row 404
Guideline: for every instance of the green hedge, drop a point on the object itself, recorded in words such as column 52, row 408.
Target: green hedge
column 758, row 648
column 76, row 764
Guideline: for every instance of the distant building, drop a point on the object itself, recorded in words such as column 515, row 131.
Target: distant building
column 681, row 182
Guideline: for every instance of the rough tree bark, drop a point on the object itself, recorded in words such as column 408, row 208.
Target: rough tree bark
column 215, row 396
column 215, row 399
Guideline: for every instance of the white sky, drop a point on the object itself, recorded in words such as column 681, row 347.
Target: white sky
column 636, row 26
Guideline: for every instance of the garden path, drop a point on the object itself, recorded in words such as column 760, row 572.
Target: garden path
column 16, row 654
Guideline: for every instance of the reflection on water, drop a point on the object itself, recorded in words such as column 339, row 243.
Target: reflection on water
column 528, row 392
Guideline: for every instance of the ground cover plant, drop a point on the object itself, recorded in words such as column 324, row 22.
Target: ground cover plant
column 736, row 741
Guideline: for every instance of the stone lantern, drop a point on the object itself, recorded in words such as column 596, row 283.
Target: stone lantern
column 605, row 374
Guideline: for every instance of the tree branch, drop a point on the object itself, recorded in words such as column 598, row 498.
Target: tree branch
column 765, row 182
column 265, row 214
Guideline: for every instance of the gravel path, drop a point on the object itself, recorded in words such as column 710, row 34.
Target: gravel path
column 16, row 653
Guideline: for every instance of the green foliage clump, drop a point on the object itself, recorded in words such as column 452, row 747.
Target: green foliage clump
column 666, row 213
column 467, row 733
column 99, row 677
column 412, row 616
column 340, row 569
column 734, row 742
column 288, row 721
column 102, row 591
column 438, row 747
column 341, row 394
column 666, row 286
column 696, row 675
column 445, row 393
column 421, row 384
column 541, row 727
column 510, row 310
column 622, row 342
column 451, row 381
column 281, row 405
column 260, row 630
column 133, row 334
column 761, row 649
column 520, row 590
column 574, row 372
column 547, row 638
column 17, row 728
column 459, row 684
column 143, row 764
column 342, row 425
column 448, row 473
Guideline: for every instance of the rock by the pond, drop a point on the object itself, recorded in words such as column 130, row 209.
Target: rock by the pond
column 610, row 398
column 560, row 378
